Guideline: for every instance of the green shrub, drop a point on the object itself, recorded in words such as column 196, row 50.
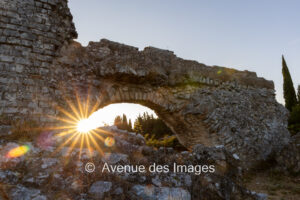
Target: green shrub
column 166, row 141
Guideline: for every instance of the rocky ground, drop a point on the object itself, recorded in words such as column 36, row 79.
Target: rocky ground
column 278, row 186
column 46, row 173
column 280, row 176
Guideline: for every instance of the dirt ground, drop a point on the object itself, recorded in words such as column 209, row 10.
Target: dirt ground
column 276, row 185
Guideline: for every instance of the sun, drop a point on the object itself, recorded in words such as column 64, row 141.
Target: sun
column 79, row 127
column 84, row 126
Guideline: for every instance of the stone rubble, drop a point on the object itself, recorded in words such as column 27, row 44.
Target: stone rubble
column 44, row 174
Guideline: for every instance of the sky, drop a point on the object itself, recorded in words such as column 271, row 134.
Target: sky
column 107, row 115
column 245, row 35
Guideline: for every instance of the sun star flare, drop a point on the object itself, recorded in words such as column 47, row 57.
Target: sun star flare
column 80, row 127
column 84, row 126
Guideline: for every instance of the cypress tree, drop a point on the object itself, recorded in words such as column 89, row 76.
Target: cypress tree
column 124, row 122
column 298, row 94
column 288, row 87
column 130, row 125
column 118, row 121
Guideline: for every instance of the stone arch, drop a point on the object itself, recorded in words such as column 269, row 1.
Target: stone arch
column 153, row 100
column 203, row 104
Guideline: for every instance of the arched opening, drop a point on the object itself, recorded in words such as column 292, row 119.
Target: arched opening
column 175, row 113
column 95, row 108
column 135, row 118
column 106, row 115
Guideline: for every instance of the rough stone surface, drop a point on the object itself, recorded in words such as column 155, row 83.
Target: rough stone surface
column 114, row 158
column 64, row 177
column 210, row 105
column 31, row 34
column 99, row 188
column 23, row 193
column 151, row 192
column 288, row 159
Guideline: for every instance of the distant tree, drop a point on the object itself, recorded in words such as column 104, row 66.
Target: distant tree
column 294, row 120
column 147, row 124
column 118, row 121
column 129, row 125
column 298, row 94
column 288, row 87
column 124, row 122
column 137, row 127
column 295, row 115
column 144, row 124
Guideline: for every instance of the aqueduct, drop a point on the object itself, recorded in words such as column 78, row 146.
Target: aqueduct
column 210, row 105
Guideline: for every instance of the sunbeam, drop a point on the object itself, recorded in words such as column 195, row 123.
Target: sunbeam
column 79, row 127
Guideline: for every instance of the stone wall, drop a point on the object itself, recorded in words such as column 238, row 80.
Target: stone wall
column 31, row 35
column 209, row 105
column 201, row 104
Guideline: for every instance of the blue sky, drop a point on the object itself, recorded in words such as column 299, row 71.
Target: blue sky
column 246, row 35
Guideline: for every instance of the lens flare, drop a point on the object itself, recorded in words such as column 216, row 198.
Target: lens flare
column 109, row 141
column 79, row 126
column 84, row 126
column 88, row 124
column 18, row 151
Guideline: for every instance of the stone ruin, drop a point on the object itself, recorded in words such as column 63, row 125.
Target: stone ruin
column 210, row 105
column 225, row 117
